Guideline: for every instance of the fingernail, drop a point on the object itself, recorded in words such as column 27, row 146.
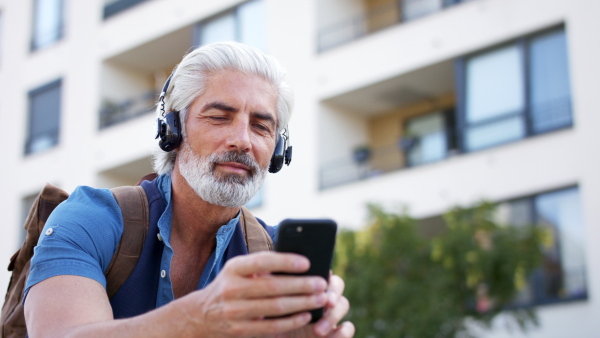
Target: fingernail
column 323, row 327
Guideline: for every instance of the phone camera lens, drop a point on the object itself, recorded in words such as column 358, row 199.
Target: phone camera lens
column 299, row 229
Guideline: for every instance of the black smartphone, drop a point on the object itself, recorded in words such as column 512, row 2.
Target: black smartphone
column 312, row 238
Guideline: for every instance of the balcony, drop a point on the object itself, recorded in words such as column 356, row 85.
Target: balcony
column 370, row 17
column 402, row 122
column 131, row 81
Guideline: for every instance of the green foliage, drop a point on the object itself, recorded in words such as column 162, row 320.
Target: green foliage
column 402, row 284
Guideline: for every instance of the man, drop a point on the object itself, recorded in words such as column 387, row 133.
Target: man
column 233, row 104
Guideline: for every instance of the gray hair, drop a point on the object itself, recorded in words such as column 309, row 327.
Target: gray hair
column 189, row 80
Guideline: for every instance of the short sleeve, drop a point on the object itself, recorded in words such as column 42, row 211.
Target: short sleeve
column 79, row 238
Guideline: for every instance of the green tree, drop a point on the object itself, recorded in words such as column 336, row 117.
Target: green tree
column 403, row 284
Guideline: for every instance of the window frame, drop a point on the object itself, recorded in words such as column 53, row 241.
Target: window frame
column 29, row 137
column 523, row 44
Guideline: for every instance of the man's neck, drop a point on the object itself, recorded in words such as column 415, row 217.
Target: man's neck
column 195, row 221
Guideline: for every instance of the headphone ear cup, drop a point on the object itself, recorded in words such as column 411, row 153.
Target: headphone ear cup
column 169, row 131
column 278, row 156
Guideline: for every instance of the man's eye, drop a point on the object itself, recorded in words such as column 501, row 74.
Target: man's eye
column 262, row 127
column 218, row 118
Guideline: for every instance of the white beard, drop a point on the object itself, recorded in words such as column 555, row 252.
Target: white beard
column 230, row 190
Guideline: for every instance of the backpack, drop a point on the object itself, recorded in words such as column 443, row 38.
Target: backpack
column 135, row 211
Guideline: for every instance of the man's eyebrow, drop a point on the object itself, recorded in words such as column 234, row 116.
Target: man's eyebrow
column 220, row 106
column 265, row 117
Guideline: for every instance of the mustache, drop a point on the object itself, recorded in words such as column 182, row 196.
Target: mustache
column 233, row 156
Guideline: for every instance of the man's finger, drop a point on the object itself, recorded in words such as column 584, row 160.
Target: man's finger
column 332, row 316
column 281, row 285
column 267, row 262
column 270, row 307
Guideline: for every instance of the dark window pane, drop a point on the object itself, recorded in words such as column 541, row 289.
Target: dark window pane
column 563, row 271
column 44, row 118
column 550, row 85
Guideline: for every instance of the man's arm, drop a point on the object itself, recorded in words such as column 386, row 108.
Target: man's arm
column 236, row 304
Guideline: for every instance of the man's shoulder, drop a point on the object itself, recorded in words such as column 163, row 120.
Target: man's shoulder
column 87, row 203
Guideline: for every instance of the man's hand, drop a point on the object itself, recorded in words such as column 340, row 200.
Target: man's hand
column 336, row 308
column 246, row 299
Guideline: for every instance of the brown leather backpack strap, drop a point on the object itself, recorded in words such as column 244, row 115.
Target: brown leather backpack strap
column 134, row 208
column 257, row 238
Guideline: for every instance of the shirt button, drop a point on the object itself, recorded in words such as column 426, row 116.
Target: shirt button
column 163, row 273
column 49, row 232
column 159, row 237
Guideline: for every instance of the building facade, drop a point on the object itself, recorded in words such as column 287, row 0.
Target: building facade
column 417, row 104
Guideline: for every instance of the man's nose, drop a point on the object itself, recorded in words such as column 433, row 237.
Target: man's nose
column 239, row 137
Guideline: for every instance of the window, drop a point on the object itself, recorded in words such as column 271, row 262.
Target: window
column 48, row 23
column 562, row 275
column 515, row 91
column 26, row 204
column 427, row 138
column 245, row 23
column 112, row 7
column 44, row 117
column 413, row 9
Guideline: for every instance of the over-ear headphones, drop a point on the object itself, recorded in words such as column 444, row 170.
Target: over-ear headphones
column 282, row 153
column 168, row 129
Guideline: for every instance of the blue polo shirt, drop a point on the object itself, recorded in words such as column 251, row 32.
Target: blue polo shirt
column 82, row 234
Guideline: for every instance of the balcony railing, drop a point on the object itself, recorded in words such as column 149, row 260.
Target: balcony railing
column 116, row 6
column 352, row 168
column 377, row 18
column 373, row 161
column 112, row 113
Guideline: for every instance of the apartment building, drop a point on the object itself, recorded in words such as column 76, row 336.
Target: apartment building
column 417, row 104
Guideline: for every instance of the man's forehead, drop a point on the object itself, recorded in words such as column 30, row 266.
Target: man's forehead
column 231, row 88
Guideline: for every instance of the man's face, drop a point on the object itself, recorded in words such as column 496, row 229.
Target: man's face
column 230, row 137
